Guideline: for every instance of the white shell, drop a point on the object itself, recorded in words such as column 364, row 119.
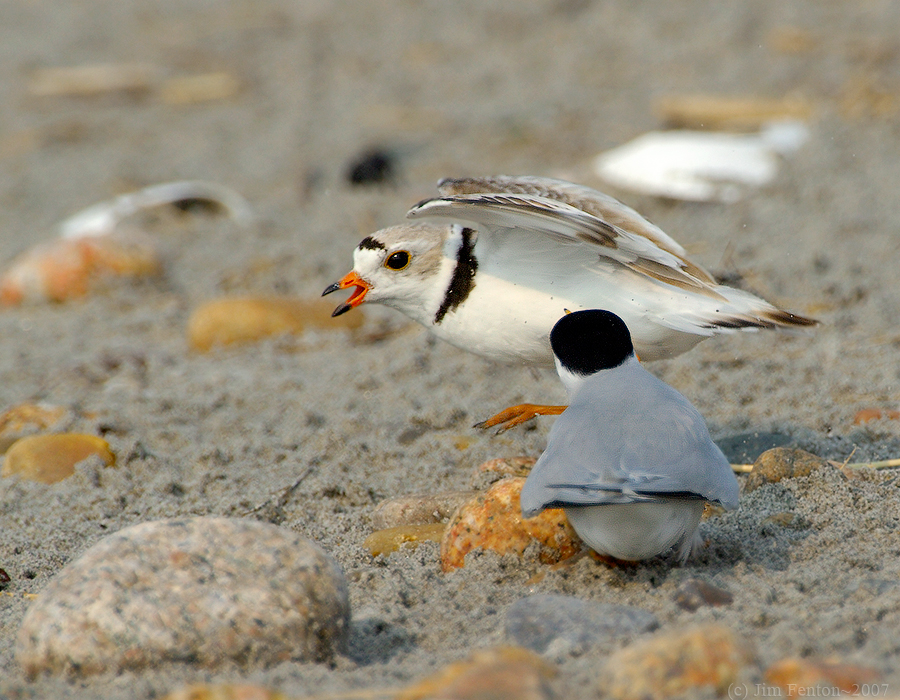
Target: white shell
column 698, row 165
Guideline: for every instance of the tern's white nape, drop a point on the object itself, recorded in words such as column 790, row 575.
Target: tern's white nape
column 630, row 460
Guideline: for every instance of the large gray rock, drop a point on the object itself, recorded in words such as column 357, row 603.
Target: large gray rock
column 204, row 590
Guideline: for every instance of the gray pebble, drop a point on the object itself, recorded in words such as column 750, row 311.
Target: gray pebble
column 207, row 590
column 564, row 626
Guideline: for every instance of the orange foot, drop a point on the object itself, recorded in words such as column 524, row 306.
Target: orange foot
column 514, row 415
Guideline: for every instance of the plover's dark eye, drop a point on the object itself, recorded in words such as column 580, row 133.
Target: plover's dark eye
column 398, row 260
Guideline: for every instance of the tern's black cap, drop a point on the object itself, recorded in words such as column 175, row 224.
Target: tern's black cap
column 586, row 342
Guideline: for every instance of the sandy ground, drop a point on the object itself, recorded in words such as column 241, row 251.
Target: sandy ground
column 453, row 89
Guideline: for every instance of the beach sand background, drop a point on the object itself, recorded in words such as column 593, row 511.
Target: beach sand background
column 450, row 89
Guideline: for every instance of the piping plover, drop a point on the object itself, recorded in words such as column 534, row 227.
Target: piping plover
column 630, row 460
column 518, row 251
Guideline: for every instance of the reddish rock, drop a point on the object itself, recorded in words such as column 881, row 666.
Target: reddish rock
column 676, row 662
column 493, row 520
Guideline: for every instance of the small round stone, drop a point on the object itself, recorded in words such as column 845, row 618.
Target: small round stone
column 781, row 463
column 572, row 625
column 206, row 590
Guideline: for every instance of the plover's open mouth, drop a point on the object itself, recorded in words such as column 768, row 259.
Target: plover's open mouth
column 351, row 279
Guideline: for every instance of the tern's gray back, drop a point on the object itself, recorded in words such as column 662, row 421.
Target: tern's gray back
column 626, row 437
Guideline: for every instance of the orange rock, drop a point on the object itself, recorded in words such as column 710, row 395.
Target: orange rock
column 51, row 458
column 493, row 520
column 669, row 664
column 797, row 676
column 869, row 414
column 66, row 268
column 393, row 538
column 249, row 319
column 28, row 418
column 501, row 673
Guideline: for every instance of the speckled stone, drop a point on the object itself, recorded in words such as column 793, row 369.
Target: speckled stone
column 563, row 625
column 696, row 660
column 781, row 463
column 207, row 590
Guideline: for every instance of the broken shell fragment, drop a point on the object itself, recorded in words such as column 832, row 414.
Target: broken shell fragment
column 697, row 165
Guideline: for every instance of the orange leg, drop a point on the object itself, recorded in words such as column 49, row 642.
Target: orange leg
column 514, row 415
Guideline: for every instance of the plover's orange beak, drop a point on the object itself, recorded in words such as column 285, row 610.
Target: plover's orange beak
column 351, row 279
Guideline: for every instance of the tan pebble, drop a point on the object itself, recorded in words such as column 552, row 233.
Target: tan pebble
column 513, row 466
column 393, row 538
column 418, row 509
column 67, row 268
column 51, row 458
column 866, row 415
column 501, row 673
column 791, row 40
column 716, row 113
column 799, row 676
column 250, row 319
column 28, row 418
column 493, row 520
column 203, row 87
column 225, row 691
column 781, row 463
column 90, row 80
column 676, row 663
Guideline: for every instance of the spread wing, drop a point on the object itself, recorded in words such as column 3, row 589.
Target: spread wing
column 564, row 238
column 641, row 247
